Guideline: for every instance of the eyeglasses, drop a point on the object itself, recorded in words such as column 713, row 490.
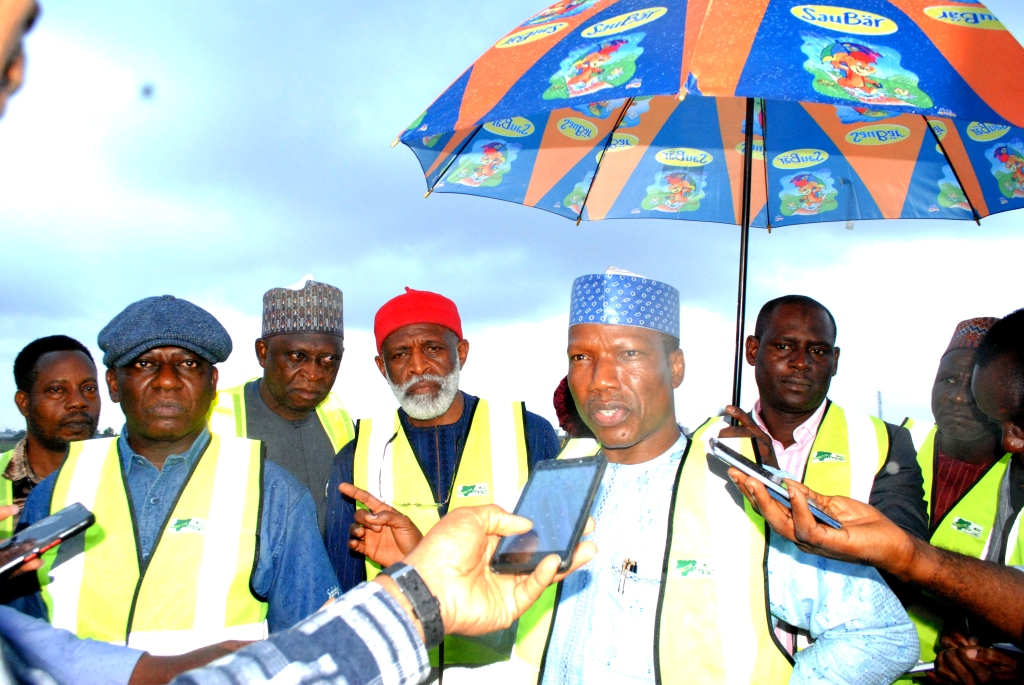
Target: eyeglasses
column 402, row 505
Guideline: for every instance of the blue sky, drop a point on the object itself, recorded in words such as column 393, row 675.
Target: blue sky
column 263, row 155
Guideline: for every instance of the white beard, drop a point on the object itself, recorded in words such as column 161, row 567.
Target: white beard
column 424, row 407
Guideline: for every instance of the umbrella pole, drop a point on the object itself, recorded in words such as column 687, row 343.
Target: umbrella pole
column 741, row 294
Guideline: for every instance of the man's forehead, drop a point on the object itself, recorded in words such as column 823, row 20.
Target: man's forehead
column 305, row 340
column 419, row 332
column 794, row 319
column 169, row 351
column 610, row 334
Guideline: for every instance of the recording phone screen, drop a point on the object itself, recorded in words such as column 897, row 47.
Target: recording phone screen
column 557, row 499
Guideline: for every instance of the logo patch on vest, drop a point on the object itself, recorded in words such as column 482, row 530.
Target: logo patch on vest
column 192, row 525
column 478, row 490
column 694, row 568
column 821, row 456
column 968, row 527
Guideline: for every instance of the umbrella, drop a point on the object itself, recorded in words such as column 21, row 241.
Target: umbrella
column 750, row 112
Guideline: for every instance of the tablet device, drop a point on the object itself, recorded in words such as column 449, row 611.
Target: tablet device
column 42, row 535
column 557, row 499
column 774, row 484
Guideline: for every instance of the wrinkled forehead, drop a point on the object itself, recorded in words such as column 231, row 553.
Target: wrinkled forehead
column 614, row 336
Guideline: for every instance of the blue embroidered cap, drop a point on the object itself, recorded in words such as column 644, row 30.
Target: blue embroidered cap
column 163, row 322
column 620, row 298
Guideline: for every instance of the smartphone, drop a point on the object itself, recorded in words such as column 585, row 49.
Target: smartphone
column 558, row 499
column 775, row 485
column 42, row 535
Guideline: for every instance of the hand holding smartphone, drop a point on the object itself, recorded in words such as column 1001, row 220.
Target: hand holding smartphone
column 557, row 499
column 42, row 535
column 776, row 486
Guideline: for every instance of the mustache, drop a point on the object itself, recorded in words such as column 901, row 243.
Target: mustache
column 78, row 417
column 427, row 377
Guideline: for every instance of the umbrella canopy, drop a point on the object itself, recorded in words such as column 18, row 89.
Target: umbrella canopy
column 750, row 112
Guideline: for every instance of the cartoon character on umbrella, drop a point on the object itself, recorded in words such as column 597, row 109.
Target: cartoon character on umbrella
column 1011, row 175
column 486, row 165
column 675, row 191
column 855, row 64
column 560, row 10
column 586, row 73
column 806, row 194
column 596, row 66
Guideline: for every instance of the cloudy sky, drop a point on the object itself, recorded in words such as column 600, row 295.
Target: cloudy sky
column 263, row 155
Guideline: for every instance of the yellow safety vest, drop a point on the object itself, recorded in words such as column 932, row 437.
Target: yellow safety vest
column 195, row 589
column 227, row 416
column 966, row 528
column 708, row 630
column 6, row 495
column 848, row 452
column 493, row 469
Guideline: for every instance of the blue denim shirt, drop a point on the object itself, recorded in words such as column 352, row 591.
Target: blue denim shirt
column 293, row 572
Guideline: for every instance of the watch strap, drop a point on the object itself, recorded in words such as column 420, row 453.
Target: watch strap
column 424, row 604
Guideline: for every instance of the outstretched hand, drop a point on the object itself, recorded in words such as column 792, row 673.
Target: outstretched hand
column 12, row 552
column 454, row 561
column 867, row 536
column 381, row 533
column 748, row 428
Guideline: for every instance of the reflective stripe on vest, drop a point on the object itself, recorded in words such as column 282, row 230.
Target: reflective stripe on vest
column 6, row 495
column 195, row 589
column 493, row 469
column 227, row 415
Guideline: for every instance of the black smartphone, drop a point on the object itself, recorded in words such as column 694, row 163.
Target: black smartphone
column 558, row 499
column 42, row 535
column 776, row 486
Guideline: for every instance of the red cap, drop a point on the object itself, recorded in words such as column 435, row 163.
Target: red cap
column 415, row 306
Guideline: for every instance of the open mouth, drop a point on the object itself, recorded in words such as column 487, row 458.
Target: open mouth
column 610, row 416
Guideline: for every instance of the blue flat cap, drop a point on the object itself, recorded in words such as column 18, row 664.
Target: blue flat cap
column 163, row 321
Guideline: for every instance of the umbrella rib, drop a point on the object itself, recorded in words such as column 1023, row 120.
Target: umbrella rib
column 977, row 218
column 764, row 162
column 607, row 143
column 455, row 156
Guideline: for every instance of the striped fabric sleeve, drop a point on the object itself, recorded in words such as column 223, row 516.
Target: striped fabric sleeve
column 362, row 638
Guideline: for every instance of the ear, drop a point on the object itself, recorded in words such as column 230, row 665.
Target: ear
column 463, row 349
column 835, row 362
column 261, row 352
column 1013, row 437
column 214, row 377
column 751, row 348
column 21, row 400
column 115, row 396
column 380, row 365
column 678, row 362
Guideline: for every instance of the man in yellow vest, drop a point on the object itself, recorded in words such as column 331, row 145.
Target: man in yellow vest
column 990, row 590
column 686, row 585
column 197, row 538
column 442, row 449
column 963, row 463
column 291, row 409
column 794, row 356
column 59, row 396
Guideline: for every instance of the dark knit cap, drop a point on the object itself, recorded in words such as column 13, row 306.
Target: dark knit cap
column 163, row 321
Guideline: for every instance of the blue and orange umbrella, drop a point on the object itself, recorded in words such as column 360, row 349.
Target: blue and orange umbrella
column 751, row 112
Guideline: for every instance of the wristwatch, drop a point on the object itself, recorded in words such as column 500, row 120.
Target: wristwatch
column 424, row 604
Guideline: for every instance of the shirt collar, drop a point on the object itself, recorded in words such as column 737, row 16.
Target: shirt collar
column 808, row 428
column 129, row 456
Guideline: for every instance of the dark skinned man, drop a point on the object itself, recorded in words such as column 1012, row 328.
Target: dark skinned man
column 988, row 590
column 681, row 612
column 963, row 463
column 58, row 394
column 794, row 356
column 442, row 449
column 291, row 409
column 198, row 539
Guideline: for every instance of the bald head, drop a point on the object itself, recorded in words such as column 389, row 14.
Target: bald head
column 16, row 19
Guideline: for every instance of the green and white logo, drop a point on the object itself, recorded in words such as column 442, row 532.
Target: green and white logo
column 969, row 527
column 822, row 456
column 193, row 525
column 478, row 490
column 694, row 568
